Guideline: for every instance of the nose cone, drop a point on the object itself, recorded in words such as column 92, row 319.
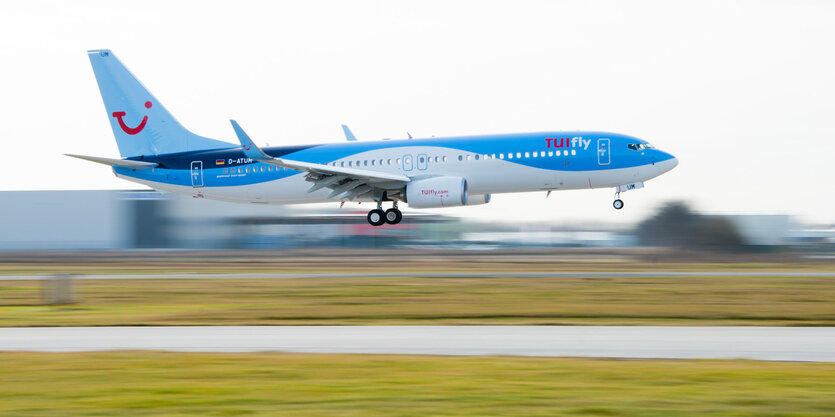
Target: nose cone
column 665, row 161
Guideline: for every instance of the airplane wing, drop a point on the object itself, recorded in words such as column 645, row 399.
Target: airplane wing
column 345, row 183
column 116, row 162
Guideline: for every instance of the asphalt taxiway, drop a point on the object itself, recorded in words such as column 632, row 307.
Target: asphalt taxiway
column 814, row 344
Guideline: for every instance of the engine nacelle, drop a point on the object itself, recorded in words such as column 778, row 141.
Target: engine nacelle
column 476, row 199
column 437, row 192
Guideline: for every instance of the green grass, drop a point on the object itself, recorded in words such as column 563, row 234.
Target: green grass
column 388, row 259
column 792, row 301
column 270, row 384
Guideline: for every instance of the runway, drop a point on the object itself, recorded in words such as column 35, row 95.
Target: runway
column 398, row 274
column 816, row 344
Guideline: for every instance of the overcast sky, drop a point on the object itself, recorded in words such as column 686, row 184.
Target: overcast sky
column 741, row 92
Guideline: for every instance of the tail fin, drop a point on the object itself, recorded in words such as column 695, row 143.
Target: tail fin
column 141, row 123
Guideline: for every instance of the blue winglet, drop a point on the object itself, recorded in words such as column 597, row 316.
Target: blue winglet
column 251, row 150
column 348, row 134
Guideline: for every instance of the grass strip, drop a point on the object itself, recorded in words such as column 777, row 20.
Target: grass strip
column 759, row 301
column 270, row 384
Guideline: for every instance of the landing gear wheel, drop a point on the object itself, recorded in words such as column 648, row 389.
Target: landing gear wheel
column 618, row 204
column 393, row 216
column 376, row 217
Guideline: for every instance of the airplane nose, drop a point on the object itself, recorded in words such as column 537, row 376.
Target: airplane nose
column 667, row 158
column 666, row 161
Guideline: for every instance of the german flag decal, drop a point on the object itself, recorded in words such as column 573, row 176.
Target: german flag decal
column 220, row 161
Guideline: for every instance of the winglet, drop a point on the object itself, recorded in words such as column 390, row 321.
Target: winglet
column 251, row 150
column 348, row 134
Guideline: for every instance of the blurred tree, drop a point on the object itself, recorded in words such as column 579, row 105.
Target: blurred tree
column 677, row 225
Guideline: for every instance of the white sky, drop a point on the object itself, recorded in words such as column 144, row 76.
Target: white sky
column 741, row 92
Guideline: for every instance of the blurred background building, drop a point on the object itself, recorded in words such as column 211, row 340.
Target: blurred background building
column 129, row 220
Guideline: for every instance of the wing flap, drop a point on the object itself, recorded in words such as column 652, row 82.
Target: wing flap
column 371, row 176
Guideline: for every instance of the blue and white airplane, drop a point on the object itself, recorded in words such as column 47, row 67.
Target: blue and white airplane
column 424, row 173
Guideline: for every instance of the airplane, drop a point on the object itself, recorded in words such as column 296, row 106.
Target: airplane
column 424, row 173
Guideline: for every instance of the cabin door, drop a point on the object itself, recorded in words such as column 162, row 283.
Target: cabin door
column 604, row 154
column 197, row 174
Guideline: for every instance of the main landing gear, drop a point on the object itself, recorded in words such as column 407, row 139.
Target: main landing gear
column 618, row 204
column 378, row 217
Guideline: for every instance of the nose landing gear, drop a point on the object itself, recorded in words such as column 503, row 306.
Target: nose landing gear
column 618, row 204
column 378, row 217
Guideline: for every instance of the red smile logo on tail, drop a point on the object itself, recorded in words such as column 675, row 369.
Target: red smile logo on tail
column 131, row 130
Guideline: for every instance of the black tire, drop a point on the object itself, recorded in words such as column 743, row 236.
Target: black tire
column 376, row 217
column 618, row 204
column 393, row 216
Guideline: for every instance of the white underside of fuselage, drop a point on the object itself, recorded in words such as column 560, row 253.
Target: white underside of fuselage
column 486, row 176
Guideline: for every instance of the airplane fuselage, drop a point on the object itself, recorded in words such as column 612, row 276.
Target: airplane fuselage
column 490, row 164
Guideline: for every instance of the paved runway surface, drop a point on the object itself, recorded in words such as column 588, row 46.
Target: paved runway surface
column 650, row 274
column 761, row 343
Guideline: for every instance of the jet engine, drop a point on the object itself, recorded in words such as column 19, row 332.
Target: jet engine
column 445, row 191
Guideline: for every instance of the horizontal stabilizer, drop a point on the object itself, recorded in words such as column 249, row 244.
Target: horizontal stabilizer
column 116, row 162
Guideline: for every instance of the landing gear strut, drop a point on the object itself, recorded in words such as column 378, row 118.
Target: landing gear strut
column 618, row 204
column 378, row 217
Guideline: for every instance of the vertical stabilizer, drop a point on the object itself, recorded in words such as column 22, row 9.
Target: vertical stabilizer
column 141, row 123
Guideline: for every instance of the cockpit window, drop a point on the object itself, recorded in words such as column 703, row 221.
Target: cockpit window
column 639, row 146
